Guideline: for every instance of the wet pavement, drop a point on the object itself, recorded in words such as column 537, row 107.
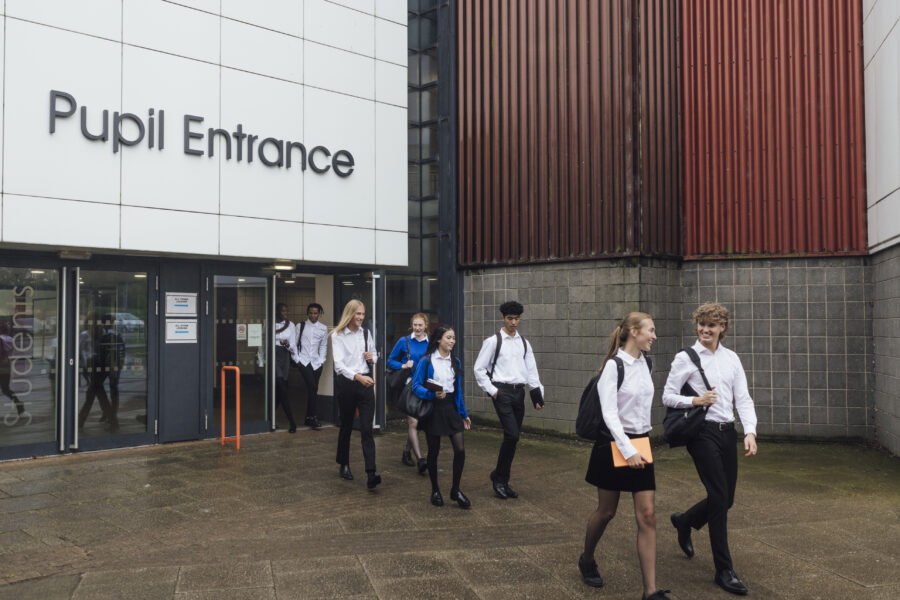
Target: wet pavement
column 194, row 521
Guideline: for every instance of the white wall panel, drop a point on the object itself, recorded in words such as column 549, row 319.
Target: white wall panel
column 366, row 6
column 883, row 223
column 64, row 164
column 210, row 6
column 391, row 181
column 281, row 15
column 103, row 19
column 878, row 24
column 169, row 178
column 391, row 248
column 158, row 230
column 339, row 71
column 341, row 122
column 390, row 83
column 335, row 25
column 392, row 10
column 262, row 51
column 171, row 28
column 391, row 42
column 240, row 236
column 267, row 108
column 53, row 222
column 325, row 243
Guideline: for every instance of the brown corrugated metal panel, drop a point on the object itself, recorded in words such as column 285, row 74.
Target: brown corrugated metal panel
column 561, row 155
column 773, row 127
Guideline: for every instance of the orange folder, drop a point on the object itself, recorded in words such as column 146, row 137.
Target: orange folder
column 642, row 444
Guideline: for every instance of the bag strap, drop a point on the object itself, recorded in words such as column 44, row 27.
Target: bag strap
column 620, row 371
column 300, row 337
column 497, row 353
column 695, row 358
column 408, row 353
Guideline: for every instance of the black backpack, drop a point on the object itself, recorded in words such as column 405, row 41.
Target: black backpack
column 589, row 423
column 490, row 373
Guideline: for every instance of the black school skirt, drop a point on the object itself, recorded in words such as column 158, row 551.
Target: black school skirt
column 444, row 419
column 604, row 475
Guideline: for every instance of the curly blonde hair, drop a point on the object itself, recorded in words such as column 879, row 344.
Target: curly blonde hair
column 712, row 312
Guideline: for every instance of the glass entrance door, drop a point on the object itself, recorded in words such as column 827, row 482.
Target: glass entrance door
column 29, row 308
column 111, row 387
column 240, row 334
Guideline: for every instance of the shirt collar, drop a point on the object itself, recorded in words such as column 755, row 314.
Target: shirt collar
column 348, row 332
column 507, row 336
column 700, row 348
column 412, row 338
column 438, row 356
column 629, row 359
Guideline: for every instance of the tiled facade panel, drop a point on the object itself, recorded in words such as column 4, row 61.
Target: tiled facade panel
column 261, row 65
column 886, row 333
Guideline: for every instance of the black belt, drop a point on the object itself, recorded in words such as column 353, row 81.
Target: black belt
column 508, row 386
column 720, row 426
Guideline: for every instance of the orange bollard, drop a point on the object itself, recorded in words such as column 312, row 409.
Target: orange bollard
column 237, row 380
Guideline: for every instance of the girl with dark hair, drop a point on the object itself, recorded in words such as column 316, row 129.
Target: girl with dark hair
column 626, row 413
column 439, row 367
column 285, row 352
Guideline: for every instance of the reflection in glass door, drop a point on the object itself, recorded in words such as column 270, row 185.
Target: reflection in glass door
column 240, row 340
column 111, row 387
column 29, row 304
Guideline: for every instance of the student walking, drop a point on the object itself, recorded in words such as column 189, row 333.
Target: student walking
column 354, row 355
column 714, row 450
column 285, row 352
column 448, row 412
column 405, row 355
column 504, row 366
column 625, row 389
column 312, row 350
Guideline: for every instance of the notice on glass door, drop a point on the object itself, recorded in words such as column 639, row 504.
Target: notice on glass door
column 181, row 331
column 241, row 332
column 254, row 334
column 181, row 304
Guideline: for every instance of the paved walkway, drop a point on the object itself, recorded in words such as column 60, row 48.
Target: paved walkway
column 193, row 521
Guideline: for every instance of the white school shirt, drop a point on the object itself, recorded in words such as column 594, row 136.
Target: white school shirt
column 348, row 348
column 626, row 410
column 725, row 373
column 443, row 371
column 511, row 367
column 313, row 348
column 288, row 335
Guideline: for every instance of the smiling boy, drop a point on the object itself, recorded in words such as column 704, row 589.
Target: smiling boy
column 714, row 450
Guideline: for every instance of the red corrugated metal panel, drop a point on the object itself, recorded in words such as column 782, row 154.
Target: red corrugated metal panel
column 556, row 134
column 773, row 132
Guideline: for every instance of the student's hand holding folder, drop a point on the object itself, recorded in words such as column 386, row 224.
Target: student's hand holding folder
column 636, row 461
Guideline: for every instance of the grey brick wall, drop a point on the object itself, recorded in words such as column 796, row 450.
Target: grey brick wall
column 886, row 330
column 803, row 328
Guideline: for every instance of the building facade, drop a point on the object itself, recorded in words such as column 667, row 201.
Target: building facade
column 171, row 171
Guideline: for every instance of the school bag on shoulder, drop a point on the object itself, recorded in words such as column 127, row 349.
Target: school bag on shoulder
column 682, row 425
column 589, row 423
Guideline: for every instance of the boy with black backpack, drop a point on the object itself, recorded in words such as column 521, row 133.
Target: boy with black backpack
column 503, row 368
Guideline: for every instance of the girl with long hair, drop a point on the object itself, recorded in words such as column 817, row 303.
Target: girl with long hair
column 354, row 356
column 626, row 412
column 411, row 347
column 448, row 410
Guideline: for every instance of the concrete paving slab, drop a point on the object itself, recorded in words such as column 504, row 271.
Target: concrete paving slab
column 275, row 521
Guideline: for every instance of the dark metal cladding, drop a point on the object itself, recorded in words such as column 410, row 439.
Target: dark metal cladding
column 568, row 130
column 773, row 131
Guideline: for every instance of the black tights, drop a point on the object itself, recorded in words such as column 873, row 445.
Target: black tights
column 459, row 458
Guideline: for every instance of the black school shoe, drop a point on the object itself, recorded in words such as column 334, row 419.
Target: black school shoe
column 407, row 459
column 728, row 580
column 684, row 534
column 422, row 466
column 345, row 473
column 589, row 573
column 373, row 480
column 313, row 423
column 460, row 498
column 657, row 595
column 436, row 498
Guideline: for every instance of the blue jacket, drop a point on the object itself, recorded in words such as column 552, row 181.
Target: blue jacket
column 425, row 371
column 397, row 358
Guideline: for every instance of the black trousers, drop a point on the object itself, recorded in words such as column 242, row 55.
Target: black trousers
column 282, row 397
column 353, row 396
column 715, row 456
column 311, row 379
column 510, row 407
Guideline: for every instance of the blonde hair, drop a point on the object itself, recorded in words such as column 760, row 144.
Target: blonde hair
column 712, row 312
column 620, row 334
column 348, row 314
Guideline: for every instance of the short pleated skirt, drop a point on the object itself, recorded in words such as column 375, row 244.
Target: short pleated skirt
column 604, row 475
column 443, row 419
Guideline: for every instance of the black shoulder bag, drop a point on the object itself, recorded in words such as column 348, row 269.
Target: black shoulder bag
column 682, row 425
column 396, row 378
